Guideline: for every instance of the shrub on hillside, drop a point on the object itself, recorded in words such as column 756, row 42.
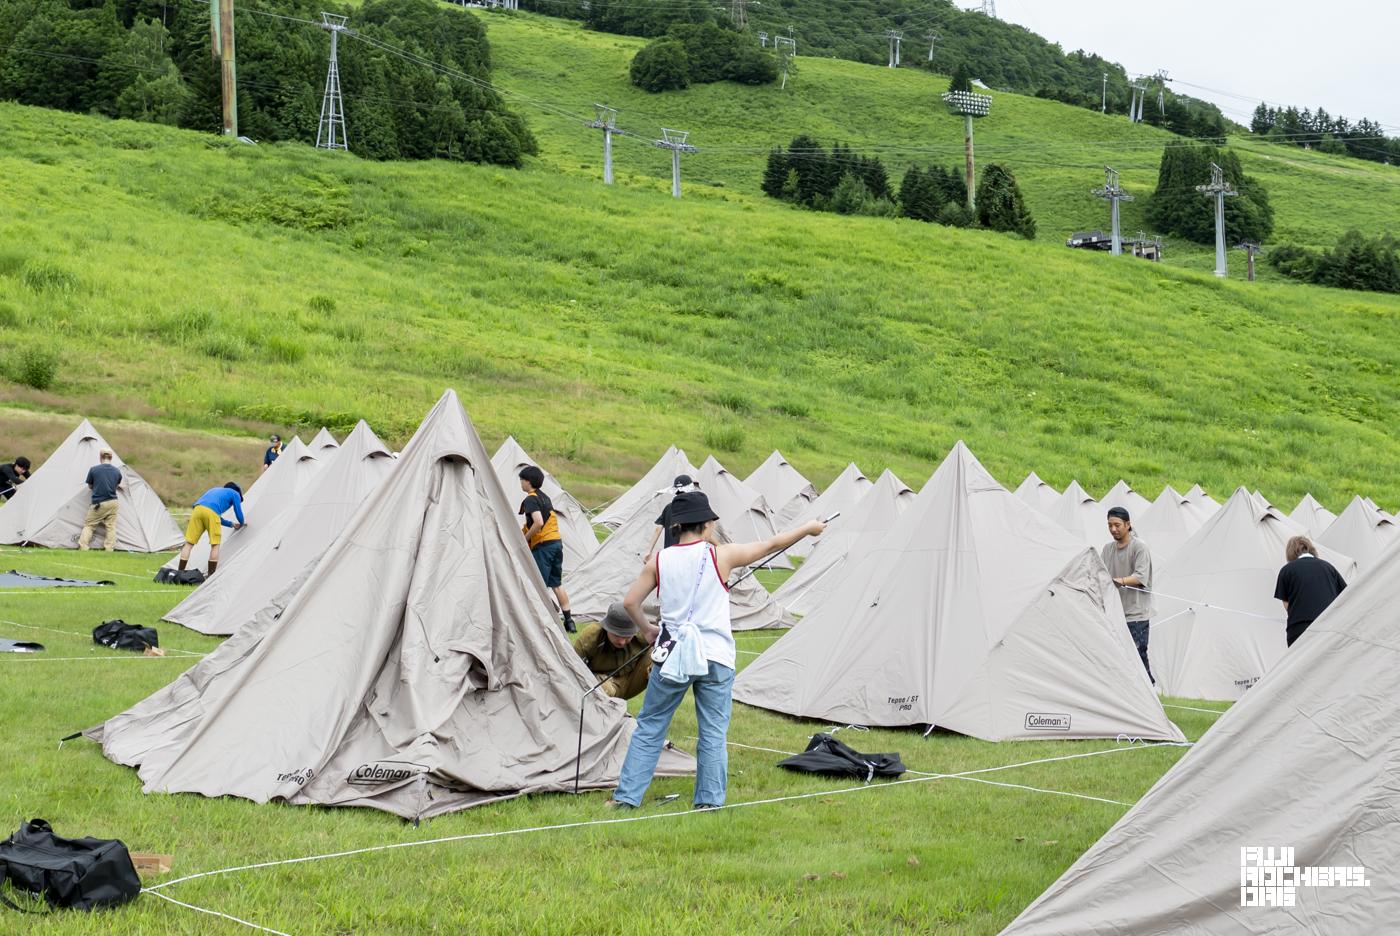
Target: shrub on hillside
column 35, row 367
column 925, row 192
column 1177, row 208
column 1356, row 262
column 726, row 438
column 661, row 66
column 1000, row 205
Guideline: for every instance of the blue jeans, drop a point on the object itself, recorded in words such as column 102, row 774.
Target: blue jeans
column 714, row 698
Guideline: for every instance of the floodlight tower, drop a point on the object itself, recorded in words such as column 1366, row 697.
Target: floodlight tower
column 674, row 140
column 894, row 36
column 1114, row 193
column 932, row 38
column 1219, row 189
column 330, row 131
column 970, row 105
column 606, row 121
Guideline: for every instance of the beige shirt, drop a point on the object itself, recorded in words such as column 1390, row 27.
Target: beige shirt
column 1132, row 559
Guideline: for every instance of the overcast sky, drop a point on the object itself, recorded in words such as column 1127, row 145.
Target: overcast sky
column 1341, row 54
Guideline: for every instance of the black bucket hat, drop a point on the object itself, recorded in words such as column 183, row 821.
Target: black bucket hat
column 691, row 507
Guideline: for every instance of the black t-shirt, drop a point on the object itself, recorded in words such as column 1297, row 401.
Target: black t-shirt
column 537, row 502
column 9, row 476
column 668, row 532
column 1309, row 585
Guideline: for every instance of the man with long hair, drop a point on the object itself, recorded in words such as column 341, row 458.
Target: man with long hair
column 1306, row 585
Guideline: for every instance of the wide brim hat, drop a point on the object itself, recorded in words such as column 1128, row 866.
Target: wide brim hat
column 691, row 507
column 618, row 622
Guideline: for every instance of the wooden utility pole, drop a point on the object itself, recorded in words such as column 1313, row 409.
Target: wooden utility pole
column 221, row 20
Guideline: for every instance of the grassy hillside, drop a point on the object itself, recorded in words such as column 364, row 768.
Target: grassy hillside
column 1057, row 152
column 217, row 284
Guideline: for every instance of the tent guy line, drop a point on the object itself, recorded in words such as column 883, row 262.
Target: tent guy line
column 181, row 903
column 1199, row 604
column 526, row 830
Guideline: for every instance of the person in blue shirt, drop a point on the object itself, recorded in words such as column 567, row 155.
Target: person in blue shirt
column 105, row 480
column 274, row 449
column 207, row 520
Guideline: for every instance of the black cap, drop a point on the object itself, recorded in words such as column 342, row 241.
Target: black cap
column 22, row 462
column 1120, row 512
column 691, row 507
column 275, row 438
column 683, row 481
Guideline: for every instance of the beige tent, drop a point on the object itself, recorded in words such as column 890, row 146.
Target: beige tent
column 1312, row 516
column 1167, row 525
column 1361, row 531
column 575, row 528
column 275, row 490
column 1121, row 495
column 975, row 613
column 1217, row 628
column 745, row 514
column 841, row 496
column 1037, row 493
column 322, row 440
column 661, row 476
column 418, row 669
column 1201, row 502
column 277, row 551
column 783, row 486
column 608, row 573
column 842, row 545
column 1305, row 762
column 50, row 507
column 1079, row 513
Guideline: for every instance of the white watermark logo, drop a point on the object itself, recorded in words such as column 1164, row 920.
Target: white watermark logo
column 1270, row 877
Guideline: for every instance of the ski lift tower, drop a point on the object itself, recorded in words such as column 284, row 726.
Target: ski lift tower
column 674, row 140
column 970, row 105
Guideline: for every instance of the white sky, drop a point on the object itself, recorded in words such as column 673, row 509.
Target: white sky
column 1341, row 54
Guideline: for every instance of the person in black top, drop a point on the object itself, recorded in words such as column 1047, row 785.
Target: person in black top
column 12, row 475
column 541, row 529
column 274, row 449
column 1306, row 585
column 664, row 527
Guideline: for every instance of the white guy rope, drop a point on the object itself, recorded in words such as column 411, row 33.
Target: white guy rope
column 264, row 929
column 1201, row 604
column 1192, row 708
column 17, row 592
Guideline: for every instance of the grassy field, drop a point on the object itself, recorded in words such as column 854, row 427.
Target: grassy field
column 927, row 856
column 183, row 280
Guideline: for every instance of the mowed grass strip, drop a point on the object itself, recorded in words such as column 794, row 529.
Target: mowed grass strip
column 950, row 856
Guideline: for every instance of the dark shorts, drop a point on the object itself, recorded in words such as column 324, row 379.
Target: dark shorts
column 550, row 558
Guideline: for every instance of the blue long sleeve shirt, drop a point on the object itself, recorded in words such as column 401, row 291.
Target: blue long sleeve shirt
column 219, row 500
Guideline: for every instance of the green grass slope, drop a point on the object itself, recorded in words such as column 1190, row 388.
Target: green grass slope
column 217, row 284
column 1057, row 152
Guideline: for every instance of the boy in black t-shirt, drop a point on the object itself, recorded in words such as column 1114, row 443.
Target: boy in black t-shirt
column 1307, row 585
column 541, row 530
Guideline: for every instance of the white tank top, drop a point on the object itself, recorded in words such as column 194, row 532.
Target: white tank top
column 689, row 586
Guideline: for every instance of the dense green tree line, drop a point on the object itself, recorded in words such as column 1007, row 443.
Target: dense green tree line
column 701, row 53
column 1356, row 262
column 1176, row 207
column 148, row 60
column 1318, row 129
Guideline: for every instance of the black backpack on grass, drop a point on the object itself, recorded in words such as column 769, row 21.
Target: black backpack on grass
column 166, row 576
column 826, row 755
column 120, row 635
column 74, row 874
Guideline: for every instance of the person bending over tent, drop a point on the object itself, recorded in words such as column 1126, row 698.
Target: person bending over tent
column 1306, row 585
column 104, row 480
column 614, row 649
column 12, row 475
column 542, row 533
column 690, row 581
column 208, row 520
column 682, row 484
column 1130, row 563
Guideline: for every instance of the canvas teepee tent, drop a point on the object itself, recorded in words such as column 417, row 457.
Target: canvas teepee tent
column 417, row 670
column 1361, row 531
column 1312, row 516
column 744, row 513
column 667, row 468
column 1037, row 493
column 1167, row 524
column 1120, row 495
column 50, row 507
column 1201, row 502
column 783, row 486
column 275, row 490
column 608, row 573
column 975, row 613
column 841, row 496
column 1079, row 513
column 278, row 551
column 1305, row 761
column 841, row 546
column 575, row 528
column 1216, row 627
column 322, row 440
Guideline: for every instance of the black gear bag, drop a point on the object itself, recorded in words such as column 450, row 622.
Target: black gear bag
column 120, row 635
column 74, row 874
column 826, row 755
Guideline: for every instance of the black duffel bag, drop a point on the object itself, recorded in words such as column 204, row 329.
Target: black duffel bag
column 74, row 874
column 168, row 576
column 120, row 635
column 826, row 755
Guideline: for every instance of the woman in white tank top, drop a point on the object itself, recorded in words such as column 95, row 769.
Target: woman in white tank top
column 690, row 580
